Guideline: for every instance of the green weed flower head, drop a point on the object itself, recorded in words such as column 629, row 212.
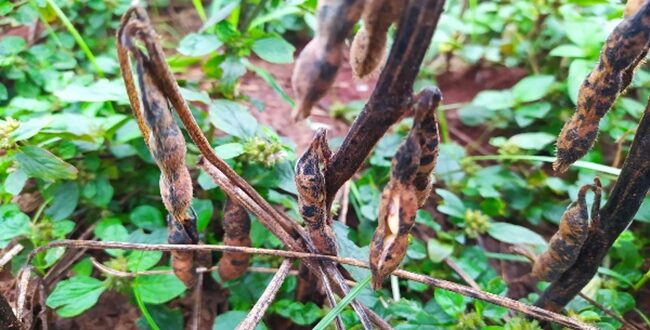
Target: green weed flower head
column 509, row 148
column 262, row 151
column 476, row 223
column 471, row 320
column 469, row 166
column 520, row 323
column 6, row 128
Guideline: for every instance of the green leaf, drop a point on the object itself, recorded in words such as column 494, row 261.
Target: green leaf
column 111, row 229
column 274, row 50
column 15, row 182
column 578, row 71
column 195, row 44
column 40, row 163
column 4, row 94
column 532, row 88
column 169, row 319
column 438, row 251
column 62, row 228
column 11, row 45
column 299, row 313
column 13, row 223
column 514, row 234
column 30, row 128
column 139, row 261
column 52, row 255
column 329, row 317
column 495, row 100
column 268, row 78
column 229, row 150
column 101, row 91
column 233, row 118
column 204, row 210
column 568, row 50
column 65, row 196
column 532, row 141
column 451, row 302
column 231, row 319
column 452, row 205
column 159, row 289
column 73, row 296
column 147, row 217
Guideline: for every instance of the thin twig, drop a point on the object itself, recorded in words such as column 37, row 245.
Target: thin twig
column 453, row 265
column 198, row 302
column 5, row 258
column 443, row 284
column 256, row 314
column 23, row 284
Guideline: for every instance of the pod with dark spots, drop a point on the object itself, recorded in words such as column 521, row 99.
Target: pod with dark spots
column 631, row 8
column 623, row 51
column 397, row 210
column 310, row 183
column 318, row 63
column 369, row 44
column 425, row 130
column 566, row 243
column 183, row 261
column 236, row 226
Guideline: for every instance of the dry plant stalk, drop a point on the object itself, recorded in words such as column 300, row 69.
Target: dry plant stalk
column 624, row 49
column 319, row 61
column 369, row 44
column 165, row 141
column 236, row 227
column 408, row 188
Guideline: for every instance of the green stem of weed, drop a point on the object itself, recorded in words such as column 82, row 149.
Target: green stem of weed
column 581, row 164
column 143, row 308
column 77, row 37
column 331, row 315
column 442, row 122
column 642, row 281
column 200, row 10
column 48, row 27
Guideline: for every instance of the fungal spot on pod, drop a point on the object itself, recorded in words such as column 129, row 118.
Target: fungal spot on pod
column 236, row 226
column 624, row 49
column 425, row 130
column 310, row 182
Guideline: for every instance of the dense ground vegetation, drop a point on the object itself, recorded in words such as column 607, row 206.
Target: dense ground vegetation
column 74, row 165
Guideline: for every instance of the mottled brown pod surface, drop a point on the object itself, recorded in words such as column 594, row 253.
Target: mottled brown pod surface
column 318, row 63
column 310, row 183
column 164, row 140
column 369, row 44
column 425, row 130
column 236, row 227
column 564, row 246
column 624, row 49
column 631, row 8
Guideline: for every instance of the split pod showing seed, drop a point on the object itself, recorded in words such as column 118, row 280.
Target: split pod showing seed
column 310, row 183
column 565, row 245
column 236, row 227
column 624, row 49
column 318, row 63
column 369, row 44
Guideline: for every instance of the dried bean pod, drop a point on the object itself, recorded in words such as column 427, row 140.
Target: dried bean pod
column 319, row 62
column 425, row 129
column 236, row 227
column 566, row 243
column 397, row 210
column 631, row 8
column 310, row 183
column 183, row 261
column 624, row 46
column 369, row 44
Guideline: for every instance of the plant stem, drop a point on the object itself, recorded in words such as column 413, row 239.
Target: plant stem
column 198, row 5
column 547, row 159
column 442, row 122
column 325, row 321
column 143, row 308
column 638, row 285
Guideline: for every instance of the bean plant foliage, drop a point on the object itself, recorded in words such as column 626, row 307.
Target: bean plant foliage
column 74, row 164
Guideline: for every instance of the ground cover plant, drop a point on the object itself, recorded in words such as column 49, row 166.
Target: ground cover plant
column 316, row 128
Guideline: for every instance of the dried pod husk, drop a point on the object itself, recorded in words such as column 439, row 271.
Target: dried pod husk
column 310, row 183
column 623, row 50
column 425, row 130
column 369, row 44
column 397, row 211
column 631, row 8
column 318, row 63
column 236, row 227
column 565, row 245
column 183, row 261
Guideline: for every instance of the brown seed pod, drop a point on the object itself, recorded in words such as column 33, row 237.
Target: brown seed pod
column 310, row 183
column 621, row 52
column 397, row 210
column 425, row 129
column 318, row 63
column 566, row 243
column 236, row 227
column 631, row 8
column 183, row 261
column 369, row 44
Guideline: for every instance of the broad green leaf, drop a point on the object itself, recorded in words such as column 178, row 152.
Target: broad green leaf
column 231, row 319
column 4, row 94
column 527, row 113
column 73, row 296
column 11, row 45
column 514, row 234
column 101, row 91
column 13, row 223
column 30, row 128
column 111, row 229
column 451, row 302
column 204, row 210
column 532, row 88
column 61, row 228
column 139, row 261
column 40, row 163
column 438, row 251
column 99, row 191
column 274, row 50
column 495, row 100
column 578, row 71
column 233, row 118
column 147, row 217
column 229, row 150
column 52, row 255
column 452, row 205
column 568, row 50
column 159, row 289
column 300, row 313
column 532, row 141
column 474, row 115
column 15, row 182
column 65, row 196
column 195, row 44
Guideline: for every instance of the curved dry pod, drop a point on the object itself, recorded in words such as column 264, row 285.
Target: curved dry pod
column 236, row 226
column 425, row 129
column 622, row 51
